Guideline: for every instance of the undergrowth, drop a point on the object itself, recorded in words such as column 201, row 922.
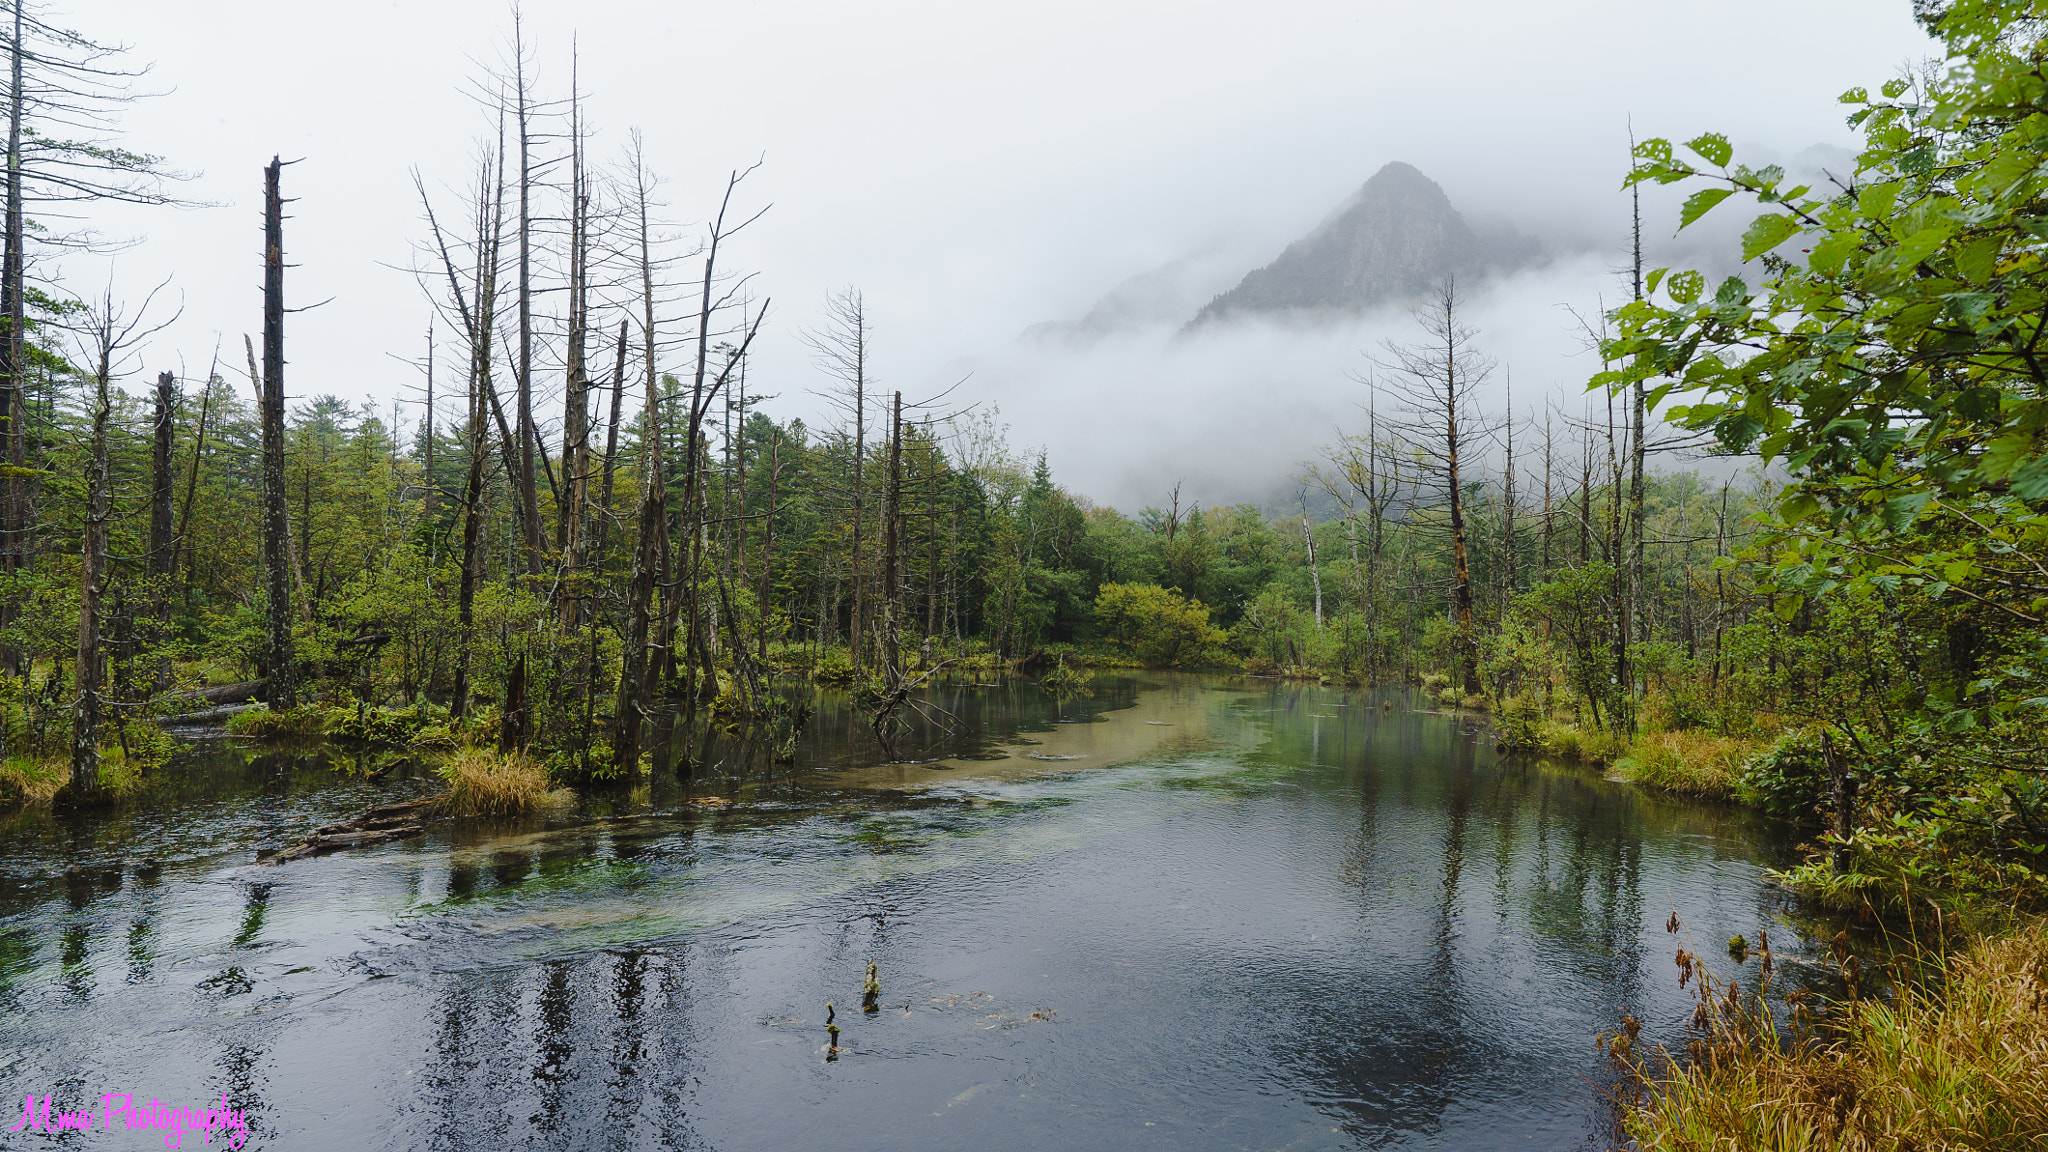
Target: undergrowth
column 1956, row 1059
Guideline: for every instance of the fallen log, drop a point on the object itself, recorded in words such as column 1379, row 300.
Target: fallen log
column 209, row 718
column 378, row 825
column 321, row 845
column 227, row 693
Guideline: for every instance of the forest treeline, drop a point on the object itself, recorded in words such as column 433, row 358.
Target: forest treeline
column 585, row 515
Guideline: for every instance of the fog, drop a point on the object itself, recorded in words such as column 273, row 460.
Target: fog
column 975, row 170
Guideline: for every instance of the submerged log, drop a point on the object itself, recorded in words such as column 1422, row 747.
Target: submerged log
column 375, row 826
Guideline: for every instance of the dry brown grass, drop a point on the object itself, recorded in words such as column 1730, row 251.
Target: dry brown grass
column 1965, row 1067
column 484, row 782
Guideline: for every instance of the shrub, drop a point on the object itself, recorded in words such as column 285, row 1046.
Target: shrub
column 1790, row 780
column 1158, row 626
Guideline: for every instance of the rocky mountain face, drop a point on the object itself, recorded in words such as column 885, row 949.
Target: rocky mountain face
column 1394, row 240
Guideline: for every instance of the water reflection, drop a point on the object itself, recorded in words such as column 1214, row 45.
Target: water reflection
column 1170, row 913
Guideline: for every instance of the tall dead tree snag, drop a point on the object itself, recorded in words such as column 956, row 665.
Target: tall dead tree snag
column 651, row 541
column 892, row 542
column 92, row 582
column 1437, row 379
column 107, row 335
column 281, row 669
column 163, row 544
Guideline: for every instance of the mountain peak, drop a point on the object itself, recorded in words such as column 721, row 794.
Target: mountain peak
column 1394, row 239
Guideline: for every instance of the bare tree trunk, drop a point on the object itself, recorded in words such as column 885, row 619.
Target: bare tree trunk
column 281, row 667
column 576, row 391
column 611, row 441
column 192, row 489
column 1308, row 538
column 92, row 578
column 162, row 545
column 15, row 507
column 529, row 498
column 768, row 538
column 892, row 507
column 636, row 672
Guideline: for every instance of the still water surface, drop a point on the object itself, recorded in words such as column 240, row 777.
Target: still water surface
column 1173, row 913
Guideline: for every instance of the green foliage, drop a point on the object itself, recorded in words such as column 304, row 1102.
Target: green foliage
column 261, row 723
column 1893, row 369
column 1790, row 780
column 1156, row 625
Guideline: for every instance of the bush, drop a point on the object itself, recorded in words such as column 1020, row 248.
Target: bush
column 1156, row 625
column 1790, row 781
column 1567, row 742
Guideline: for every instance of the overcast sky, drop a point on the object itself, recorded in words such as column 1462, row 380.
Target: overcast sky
column 974, row 168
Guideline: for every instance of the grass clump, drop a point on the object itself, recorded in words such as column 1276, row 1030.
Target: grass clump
column 484, row 782
column 32, row 779
column 1695, row 763
column 1571, row 742
column 1964, row 1066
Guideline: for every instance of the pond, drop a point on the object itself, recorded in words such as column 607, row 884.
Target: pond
column 1174, row 912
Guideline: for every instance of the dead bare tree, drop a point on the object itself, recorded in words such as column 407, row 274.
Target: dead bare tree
column 1436, row 379
column 106, row 338
column 280, row 668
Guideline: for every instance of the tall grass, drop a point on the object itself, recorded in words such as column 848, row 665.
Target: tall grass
column 32, row 779
column 1961, row 1064
column 1695, row 763
column 484, row 782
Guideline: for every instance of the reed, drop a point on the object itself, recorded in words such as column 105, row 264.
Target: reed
column 1953, row 1062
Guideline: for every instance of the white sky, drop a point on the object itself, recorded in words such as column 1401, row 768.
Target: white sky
column 974, row 168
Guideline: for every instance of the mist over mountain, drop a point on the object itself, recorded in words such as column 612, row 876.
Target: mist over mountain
column 1394, row 240
column 1390, row 242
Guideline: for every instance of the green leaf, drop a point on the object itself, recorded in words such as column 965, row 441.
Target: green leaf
column 1895, row 88
column 1700, row 202
column 1922, row 244
column 2030, row 480
column 1901, row 511
column 1854, row 96
column 1796, row 506
column 1685, row 287
column 1875, row 201
column 1713, row 147
column 1978, row 259
column 1831, row 254
column 1767, row 232
column 1650, row 282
